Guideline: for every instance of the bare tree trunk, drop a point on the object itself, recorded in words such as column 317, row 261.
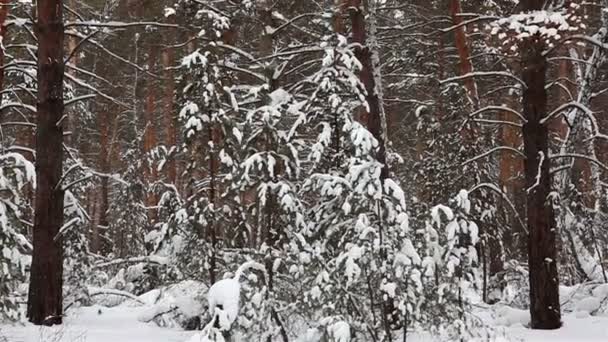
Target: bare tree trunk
column 464, row 54
column 168, row 58
column 4, row 9
column 45, row 293
column 373, row 119
column 150, row 141
column 544, row 282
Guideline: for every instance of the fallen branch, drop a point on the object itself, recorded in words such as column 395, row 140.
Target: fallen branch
column 96, row 291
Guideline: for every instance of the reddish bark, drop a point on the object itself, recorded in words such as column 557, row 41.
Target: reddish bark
column 150, row 173
column 168, row 59
column 511, row 169
column 464, row 55
column 338, row 18
column 45, row 293
column 371, row 119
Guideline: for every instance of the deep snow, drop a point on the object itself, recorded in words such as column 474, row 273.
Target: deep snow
column 96, row 324
column 584, row 320
column 120, row 324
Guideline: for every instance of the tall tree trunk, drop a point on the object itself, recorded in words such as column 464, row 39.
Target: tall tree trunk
column 150, row 173
column 374, row 118
column 168, row 58
column 45, row 293
column 464, row 54
column 4, row 9
column 544, row 282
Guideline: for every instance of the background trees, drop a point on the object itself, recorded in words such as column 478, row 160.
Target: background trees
column 330, row 142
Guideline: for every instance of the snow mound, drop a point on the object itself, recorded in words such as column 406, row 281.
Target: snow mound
column 223, row 299
column 508, row 316
column 339, row 331
column 589, row 304
column 178, row 305
column 600, row 291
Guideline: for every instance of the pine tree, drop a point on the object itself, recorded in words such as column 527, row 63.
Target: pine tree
column 45, row 300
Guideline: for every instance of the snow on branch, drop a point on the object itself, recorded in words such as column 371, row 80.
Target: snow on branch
column 498, row 122
column 504, row 196
column 18, row 105
column 586, row 110
column 117, row 24
column 484, row 74
column 293, row 20
column 580, row 156
column 579, row 37
column 538, row 175
column 97, row 291
column 66, row 227
column 499, row 108
column 495, row 149
column 157, row 260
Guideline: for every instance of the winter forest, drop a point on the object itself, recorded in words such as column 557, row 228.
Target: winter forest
column 303, row 170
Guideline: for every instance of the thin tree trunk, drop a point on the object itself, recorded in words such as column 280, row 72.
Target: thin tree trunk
column 544, row 282
column 168, row 58
column 45, row 293
column 4, row 9
column 150, row 141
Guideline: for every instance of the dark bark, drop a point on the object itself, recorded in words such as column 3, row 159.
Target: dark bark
column 4, row 9
column 371, row 119
column 45, row 292
column 150, row 135
column 544, row 282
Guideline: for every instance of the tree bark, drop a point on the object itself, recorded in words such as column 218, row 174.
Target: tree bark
column 45, row 292
column 373, row 118
column 464, row 54
column 544, row 282
column 168, row 58
column 4, row 9
column 150, row 173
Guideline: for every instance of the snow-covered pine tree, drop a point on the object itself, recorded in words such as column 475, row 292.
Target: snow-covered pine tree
column 450, row 268
column 15, row 173
column 359, row 241
column 206, row 215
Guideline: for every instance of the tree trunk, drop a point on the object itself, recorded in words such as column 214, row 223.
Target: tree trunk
column 466, row 67
column 168, row 58
column 45, row 292
column 544, row 281
column 4, row 8
column 150, row 173
column 373, row 118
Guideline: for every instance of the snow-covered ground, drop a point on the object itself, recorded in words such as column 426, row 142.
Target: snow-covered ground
column 96, row 324
column 585, row 320
column 120, row 324
column 575, row 329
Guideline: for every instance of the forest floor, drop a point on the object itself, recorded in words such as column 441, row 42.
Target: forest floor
column 120, row 324
column 96, row 324
column 584, row 318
